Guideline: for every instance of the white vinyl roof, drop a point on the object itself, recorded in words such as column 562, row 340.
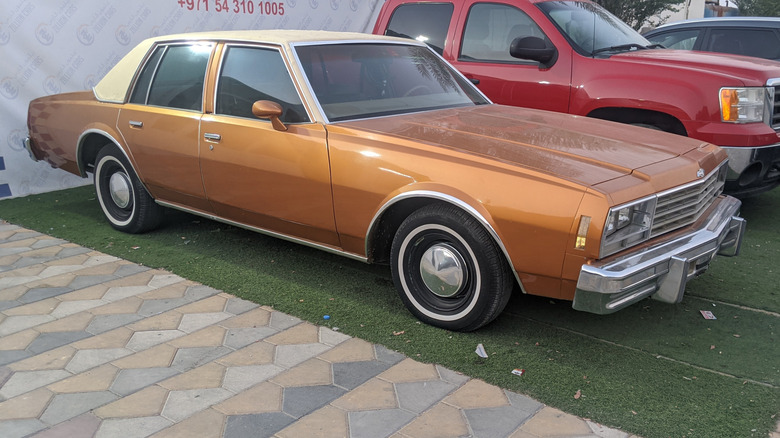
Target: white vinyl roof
column 113, row 87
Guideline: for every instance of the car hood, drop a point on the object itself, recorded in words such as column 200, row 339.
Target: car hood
column 578, row 149
column 750, row 71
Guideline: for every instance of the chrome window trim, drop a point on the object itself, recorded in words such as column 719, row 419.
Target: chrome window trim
column 450, row 200
column 294, row 45
column 166, row 45
column 287, row 64
column 154, row 73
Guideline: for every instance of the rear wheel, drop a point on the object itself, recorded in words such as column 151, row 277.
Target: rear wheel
column 448, row 270
column 124, row 200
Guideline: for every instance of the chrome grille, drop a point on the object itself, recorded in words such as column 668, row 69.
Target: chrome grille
column 775, row 117
column 682, row 206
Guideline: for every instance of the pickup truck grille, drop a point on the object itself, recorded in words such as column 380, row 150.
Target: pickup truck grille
column 775, row 118
column 682, row 206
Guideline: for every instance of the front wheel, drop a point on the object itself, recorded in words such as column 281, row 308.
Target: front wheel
column 448, row 270
column 124, row 200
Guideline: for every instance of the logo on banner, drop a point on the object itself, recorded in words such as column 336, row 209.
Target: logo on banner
column 314, row 4
column 5, row 36
column 123, row 35
column 44, row 34
column 354, row 5
column 89, row 82
column 51, row 86
column 292, row 3
column 334, row 4
column 8, row 88
column 85, row 35
column 16, row 139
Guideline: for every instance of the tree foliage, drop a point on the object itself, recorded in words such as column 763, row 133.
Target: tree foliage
column 640, row 12
column 759, row 8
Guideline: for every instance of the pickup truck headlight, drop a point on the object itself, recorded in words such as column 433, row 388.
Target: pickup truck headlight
column 743, row 105
column 627, row 225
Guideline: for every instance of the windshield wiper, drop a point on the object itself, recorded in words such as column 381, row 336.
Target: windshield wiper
column 620, row 48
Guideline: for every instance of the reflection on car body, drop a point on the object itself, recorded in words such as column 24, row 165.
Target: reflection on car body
column 377, row 149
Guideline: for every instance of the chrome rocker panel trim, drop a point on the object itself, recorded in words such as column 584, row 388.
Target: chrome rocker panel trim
column 264, row 231
column 663, row 269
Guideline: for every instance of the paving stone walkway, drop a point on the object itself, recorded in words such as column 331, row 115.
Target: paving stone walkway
column 95, row 346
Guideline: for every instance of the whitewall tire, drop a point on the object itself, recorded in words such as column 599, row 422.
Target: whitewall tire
column 124, row 200
column 448, row 269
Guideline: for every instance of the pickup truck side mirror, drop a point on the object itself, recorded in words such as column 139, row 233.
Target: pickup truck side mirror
column 535, row 49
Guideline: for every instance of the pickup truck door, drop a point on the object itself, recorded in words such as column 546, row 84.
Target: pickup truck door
column 480, row 50
column 254, row 174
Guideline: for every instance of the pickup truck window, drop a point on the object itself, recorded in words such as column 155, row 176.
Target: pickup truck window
column 250, row 74
column 425, row 22
column 358, row 81
column 591, row 29
column 490, row 29
column 176, row 81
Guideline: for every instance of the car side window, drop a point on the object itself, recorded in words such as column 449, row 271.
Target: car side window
column 681, row 39
column 176, row 81
column 426, row 22
column 761, row 43
column 141, row 90
column 250, row 74
column 490, row 30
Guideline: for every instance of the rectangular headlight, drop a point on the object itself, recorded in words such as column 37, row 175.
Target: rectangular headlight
column 743, row 105
column 628, row 225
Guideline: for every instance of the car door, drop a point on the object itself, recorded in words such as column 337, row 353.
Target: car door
column 254, row 174
column 160, row 123
column 481, row 52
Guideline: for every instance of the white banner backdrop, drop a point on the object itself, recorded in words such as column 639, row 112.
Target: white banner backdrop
column 56, row 46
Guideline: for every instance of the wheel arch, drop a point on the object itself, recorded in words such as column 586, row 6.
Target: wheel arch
column 388, row 219
column 90, row 143
column 639, row 116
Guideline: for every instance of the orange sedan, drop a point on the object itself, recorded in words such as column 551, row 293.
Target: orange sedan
column 377, row 149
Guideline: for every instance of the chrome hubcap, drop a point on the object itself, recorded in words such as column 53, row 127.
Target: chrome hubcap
column 443, row 270
column 119, row 187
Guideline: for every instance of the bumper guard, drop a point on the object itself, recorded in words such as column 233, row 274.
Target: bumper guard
column 662, row 269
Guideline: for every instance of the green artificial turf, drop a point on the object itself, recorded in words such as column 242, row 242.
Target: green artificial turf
column 654, row 369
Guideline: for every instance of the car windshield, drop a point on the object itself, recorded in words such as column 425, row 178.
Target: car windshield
column 592, row 29
column 360, row 80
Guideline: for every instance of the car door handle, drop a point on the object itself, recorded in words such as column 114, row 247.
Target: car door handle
column 212, row 137
column 136, row 124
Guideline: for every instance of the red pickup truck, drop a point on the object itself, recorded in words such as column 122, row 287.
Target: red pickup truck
column 577, row 58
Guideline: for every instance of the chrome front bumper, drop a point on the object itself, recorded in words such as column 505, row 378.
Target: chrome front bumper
column 752, row 170
column 662, row 269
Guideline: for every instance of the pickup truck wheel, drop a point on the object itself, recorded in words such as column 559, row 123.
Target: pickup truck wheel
column 448, row 270
column 123, row 199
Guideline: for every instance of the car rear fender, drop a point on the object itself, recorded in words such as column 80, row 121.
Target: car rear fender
column 94, row 138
